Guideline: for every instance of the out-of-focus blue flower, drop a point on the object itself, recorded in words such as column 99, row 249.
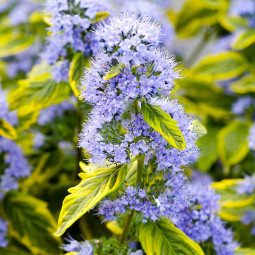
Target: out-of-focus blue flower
column 201, row 177
column 243, row 7
column 3, row 233
column 248, row 218
column 251, row 137
column 16, row 166
column 50, row 113
column 22, row 62
column 19, row 10
column 38, row 140
column 247, row 186
column 60, row 71
column 201, row 223
column 72, row 22
column 242, row 104
column 223, row 43
column 82, row 248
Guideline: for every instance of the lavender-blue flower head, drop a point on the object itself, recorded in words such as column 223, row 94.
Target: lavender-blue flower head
column 128, row 44
column 169, row 203
column 138, row 138
column 201, row 223
column 3, row 233
column 72, row 22
column 81, row 248
column 154, row 10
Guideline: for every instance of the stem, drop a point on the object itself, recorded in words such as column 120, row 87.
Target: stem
column 139, row 176
column 124, row 234
column 140, row 170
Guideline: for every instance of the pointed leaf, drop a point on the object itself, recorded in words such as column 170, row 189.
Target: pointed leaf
column 244, row 39
column 7, row 130
column 163, row 238
column 114, row 71
column 93, row 188
column 164, row 124
column 31, row 223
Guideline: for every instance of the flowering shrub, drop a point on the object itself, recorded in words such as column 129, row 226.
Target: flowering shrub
column 131, row 123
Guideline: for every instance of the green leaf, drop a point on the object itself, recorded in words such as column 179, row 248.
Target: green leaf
column 164, row 124
column 244, row 85
column 36, row 92
column 223, row 66
column 31, row 223
column 114, row 71
column 12, row 251
column 245, row 251
column 13, row 42
column 232, row 143
column 7, row 130
column 163, row 238
column 78, row 64
column 93, row 188
column 208, row 148
column 243, row 39
column 233, row 23
column 101, row 16
column 198, row 13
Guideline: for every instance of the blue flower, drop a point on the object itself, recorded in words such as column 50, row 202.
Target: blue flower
column 201, row 222
column 3, row 233
column 81, row 248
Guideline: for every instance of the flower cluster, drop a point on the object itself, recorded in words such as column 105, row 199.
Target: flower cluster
column 244, row 7
column 22, row 62
column 139, row 138
column 154, row 10
column 242, row 104
column 50, row 113
column 16, row 165
column 168, row 203
column 3, row 233
column 71, row 31
column 248, row 187
column 19, row 10
column 81, row 248
column 201, row 223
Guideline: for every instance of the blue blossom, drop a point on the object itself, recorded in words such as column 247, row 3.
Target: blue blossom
column 60, row 71
column 16, row 165
column 248, row 218
column 242, row 104
column 22, row 62
column 223, row 43
column 38, row 140
column 72, row 23
column 3, row 233
column 49, row 114
column 81, row 248
column 155, row 11
column 251, row 137
column 247, row 186
column 149, row 142
column 201, row 222
column 19, row 10
column 168, row 203
column 244, row 7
